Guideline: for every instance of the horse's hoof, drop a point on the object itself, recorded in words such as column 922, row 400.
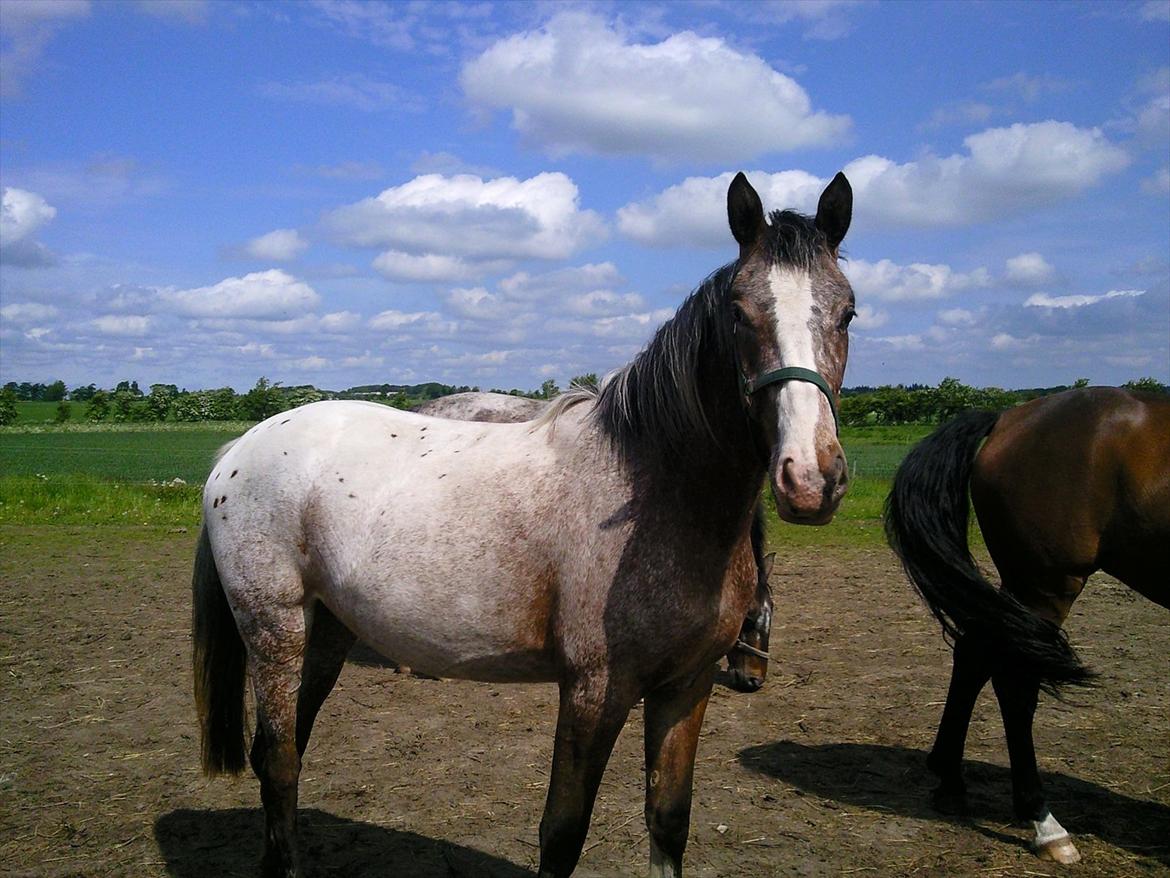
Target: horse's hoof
column 950, row 802
column 1059, row 850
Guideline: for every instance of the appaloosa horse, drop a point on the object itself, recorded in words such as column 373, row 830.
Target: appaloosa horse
column 747, row 661
column 606, row 548
column 1063, row 486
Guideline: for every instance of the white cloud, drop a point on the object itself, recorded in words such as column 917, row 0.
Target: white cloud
column 1005, row 341
column 1028, row 268
column 412, row 321
column 28, row 312
column 27, row 26
column 580, row 85
column 956, row 317
column 1004, row 171
column 263, row 295
column 694, row 212
column 869, row 317
column 604, row 303
column 280, row 245
column 576, row 279
column 428, row 267
column 22, row 213
column 466, row 216
column 123, row 324
column 910, row 342
column 1043, row 300
column 892, row 282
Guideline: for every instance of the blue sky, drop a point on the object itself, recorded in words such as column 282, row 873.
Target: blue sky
column 342, row 193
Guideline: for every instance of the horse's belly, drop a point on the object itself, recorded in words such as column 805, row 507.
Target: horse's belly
column 491, row 631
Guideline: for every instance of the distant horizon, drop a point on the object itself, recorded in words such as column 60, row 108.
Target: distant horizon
column 495, row 194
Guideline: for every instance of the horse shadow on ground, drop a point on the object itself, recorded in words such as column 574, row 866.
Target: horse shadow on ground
column 895, row 779
column 196, row 844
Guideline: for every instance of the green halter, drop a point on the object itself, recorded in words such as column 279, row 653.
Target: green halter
column 793, row 373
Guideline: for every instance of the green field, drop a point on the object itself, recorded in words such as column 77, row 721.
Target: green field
column 107, row 474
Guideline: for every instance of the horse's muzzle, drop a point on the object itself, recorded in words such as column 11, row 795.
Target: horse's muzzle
column 809, row 494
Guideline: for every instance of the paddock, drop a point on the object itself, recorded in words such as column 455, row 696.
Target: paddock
column 819, row 773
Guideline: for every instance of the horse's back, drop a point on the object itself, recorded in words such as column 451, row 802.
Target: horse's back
column 1076, row 482
column 499, row 408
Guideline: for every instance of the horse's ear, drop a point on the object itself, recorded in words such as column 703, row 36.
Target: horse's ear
column 769, row 563
column 835, row 211
column 745, row 212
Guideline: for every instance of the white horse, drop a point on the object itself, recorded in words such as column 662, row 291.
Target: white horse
column 495, row 408
column 605, row 547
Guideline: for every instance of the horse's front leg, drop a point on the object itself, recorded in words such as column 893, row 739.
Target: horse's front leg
column 969, row 674
column 1017, row 697
column 673, row 720
column 592, row 713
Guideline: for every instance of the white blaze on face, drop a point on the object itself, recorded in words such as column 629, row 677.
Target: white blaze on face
column 800, row 401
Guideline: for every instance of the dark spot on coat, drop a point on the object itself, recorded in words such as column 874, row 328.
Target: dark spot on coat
column 420, row 429
column 233, row 475
column 215, row 505
column 443, row 476
column 353, row 495
column 393, row 435
column 223, row 499
column 285, row 421
column 285, row 453
column 340, row 479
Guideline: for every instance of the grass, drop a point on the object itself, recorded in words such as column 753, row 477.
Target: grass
column 125, row 473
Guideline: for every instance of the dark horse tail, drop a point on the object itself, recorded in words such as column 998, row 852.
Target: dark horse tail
column 926, row 518
column 219, row 665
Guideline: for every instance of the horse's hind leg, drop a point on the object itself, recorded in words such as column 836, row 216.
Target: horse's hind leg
column 590, row 717
column 673, row 720
column 969, row 674
column 329, row 643
column 275, row 636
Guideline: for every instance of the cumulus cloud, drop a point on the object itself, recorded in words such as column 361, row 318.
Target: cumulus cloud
column 694, row 212
column 892, row 282
column 1043, row 300
column 28, row 312
column 1027, row 269
column 427, row 268
column 581, row 85
column 471, row 218
column 1157, row 183
column 280, row 245
column 869, row 317
column 22, row 214
column 264, row 295
column 136, row 325
column 1004, row 171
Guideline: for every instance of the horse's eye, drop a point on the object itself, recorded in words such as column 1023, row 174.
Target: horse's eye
column 846, row 319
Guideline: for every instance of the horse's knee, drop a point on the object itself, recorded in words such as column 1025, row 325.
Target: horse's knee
column 669, row 825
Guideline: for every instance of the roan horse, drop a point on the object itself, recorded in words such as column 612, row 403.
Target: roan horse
column 1065, row 485
column 747, row 661
column 607, row 550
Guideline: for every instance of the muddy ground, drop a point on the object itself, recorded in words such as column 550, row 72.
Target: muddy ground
column 820, row 773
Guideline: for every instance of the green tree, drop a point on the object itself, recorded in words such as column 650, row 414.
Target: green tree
column 99, row 406
column 262, row 401
column 160, row 400
column 1148, row 384
column 1081, row 382
column 55, row 392
column 589, row 379
column 549, row 389
column 64, row 412
column 7, row 407
column 82, row 394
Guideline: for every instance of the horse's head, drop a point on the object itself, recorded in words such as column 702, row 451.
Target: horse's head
column 747, row 663
column 792, row 307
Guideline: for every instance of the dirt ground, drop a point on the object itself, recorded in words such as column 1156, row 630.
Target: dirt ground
column 819, row 773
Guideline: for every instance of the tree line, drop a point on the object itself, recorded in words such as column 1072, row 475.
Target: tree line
column 126, row 402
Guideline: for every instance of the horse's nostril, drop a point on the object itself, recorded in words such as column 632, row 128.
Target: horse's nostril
column 754, row 683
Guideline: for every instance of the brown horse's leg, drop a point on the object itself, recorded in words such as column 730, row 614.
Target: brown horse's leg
column 328, row 644
column 590, row 717
column 673, row 720
column 276, row 646
column 969, row 674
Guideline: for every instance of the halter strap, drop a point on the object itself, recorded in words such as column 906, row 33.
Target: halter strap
column 741, row 646
column 793, row 373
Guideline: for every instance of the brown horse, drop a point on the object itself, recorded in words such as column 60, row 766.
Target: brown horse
column 747, row 661
column 606, row 547
column 1064, row 486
